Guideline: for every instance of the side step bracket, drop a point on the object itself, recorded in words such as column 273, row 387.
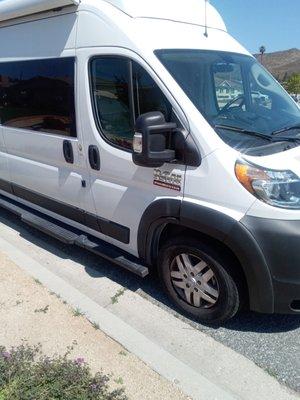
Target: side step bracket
column 68, row 235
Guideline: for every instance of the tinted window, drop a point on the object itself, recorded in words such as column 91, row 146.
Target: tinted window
column 38, row 95
column 122, row 90
column 148, row 96
column 111, row 92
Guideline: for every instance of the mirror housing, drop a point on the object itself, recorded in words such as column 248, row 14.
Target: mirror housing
column 157, row 142
column 151, row 142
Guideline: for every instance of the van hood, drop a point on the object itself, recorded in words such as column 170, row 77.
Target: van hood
column 285, row 160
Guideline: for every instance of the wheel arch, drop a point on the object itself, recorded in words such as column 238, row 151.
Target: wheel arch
column 173, row 217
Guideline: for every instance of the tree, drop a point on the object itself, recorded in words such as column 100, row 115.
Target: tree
column 285, row 78
column 293, row 84
column 262, row 51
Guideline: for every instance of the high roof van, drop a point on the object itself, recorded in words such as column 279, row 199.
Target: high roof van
column 142, row 131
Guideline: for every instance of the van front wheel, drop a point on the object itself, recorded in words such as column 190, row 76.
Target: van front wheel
column 199, row 281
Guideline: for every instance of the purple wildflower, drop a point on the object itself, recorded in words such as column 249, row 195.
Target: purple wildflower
column 79, row 361
column 6, row 355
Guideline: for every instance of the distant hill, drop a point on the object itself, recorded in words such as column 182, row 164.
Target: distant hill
column 282, row 64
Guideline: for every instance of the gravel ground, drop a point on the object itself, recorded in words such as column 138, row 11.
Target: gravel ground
column 271, row 341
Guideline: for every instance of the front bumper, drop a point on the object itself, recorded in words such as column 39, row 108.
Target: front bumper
column 279, row 241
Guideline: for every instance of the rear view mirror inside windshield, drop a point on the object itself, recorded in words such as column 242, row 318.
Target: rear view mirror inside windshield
column 223, row 67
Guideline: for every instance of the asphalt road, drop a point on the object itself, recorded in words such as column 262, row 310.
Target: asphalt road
column 271, row 341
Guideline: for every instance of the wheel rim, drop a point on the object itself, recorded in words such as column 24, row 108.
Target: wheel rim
column 194, row 281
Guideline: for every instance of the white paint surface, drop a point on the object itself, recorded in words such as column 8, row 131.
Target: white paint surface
column 10, row 9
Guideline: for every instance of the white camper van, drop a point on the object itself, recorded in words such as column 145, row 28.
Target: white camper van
column 142, row 131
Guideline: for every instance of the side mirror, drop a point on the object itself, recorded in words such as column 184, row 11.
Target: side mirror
column 152, row 139
column 157, row 142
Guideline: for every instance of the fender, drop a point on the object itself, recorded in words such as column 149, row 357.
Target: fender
column 153, row 221
column 216, row 225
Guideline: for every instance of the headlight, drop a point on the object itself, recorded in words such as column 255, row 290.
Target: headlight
column 277, row 188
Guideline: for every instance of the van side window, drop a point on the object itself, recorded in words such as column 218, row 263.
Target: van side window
column 121, row 91
column 148, row 96
column 38, row 95
column 112, row 99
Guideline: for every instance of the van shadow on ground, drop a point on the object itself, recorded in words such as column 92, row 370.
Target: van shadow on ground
column 148, row 287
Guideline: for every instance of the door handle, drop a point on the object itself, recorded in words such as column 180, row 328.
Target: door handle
column 68, row 152
column 94, row 157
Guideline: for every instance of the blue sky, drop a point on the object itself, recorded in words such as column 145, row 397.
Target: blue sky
column 273, row 23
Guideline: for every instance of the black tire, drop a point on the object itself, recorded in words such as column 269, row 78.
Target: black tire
column 228, row 281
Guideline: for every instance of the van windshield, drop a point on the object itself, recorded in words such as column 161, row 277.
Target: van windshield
column 234, row 91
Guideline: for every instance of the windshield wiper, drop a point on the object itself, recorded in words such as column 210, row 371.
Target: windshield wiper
column 241, row 130
column 270, row 138
column 286, row 129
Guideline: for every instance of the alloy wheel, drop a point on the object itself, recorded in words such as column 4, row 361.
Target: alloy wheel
column 194, row 281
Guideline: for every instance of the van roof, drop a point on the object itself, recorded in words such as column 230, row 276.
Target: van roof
column 198, row 12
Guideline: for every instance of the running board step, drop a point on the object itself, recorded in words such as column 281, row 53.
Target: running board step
column 112, row 254
column 49, row 228
column 68, row 235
